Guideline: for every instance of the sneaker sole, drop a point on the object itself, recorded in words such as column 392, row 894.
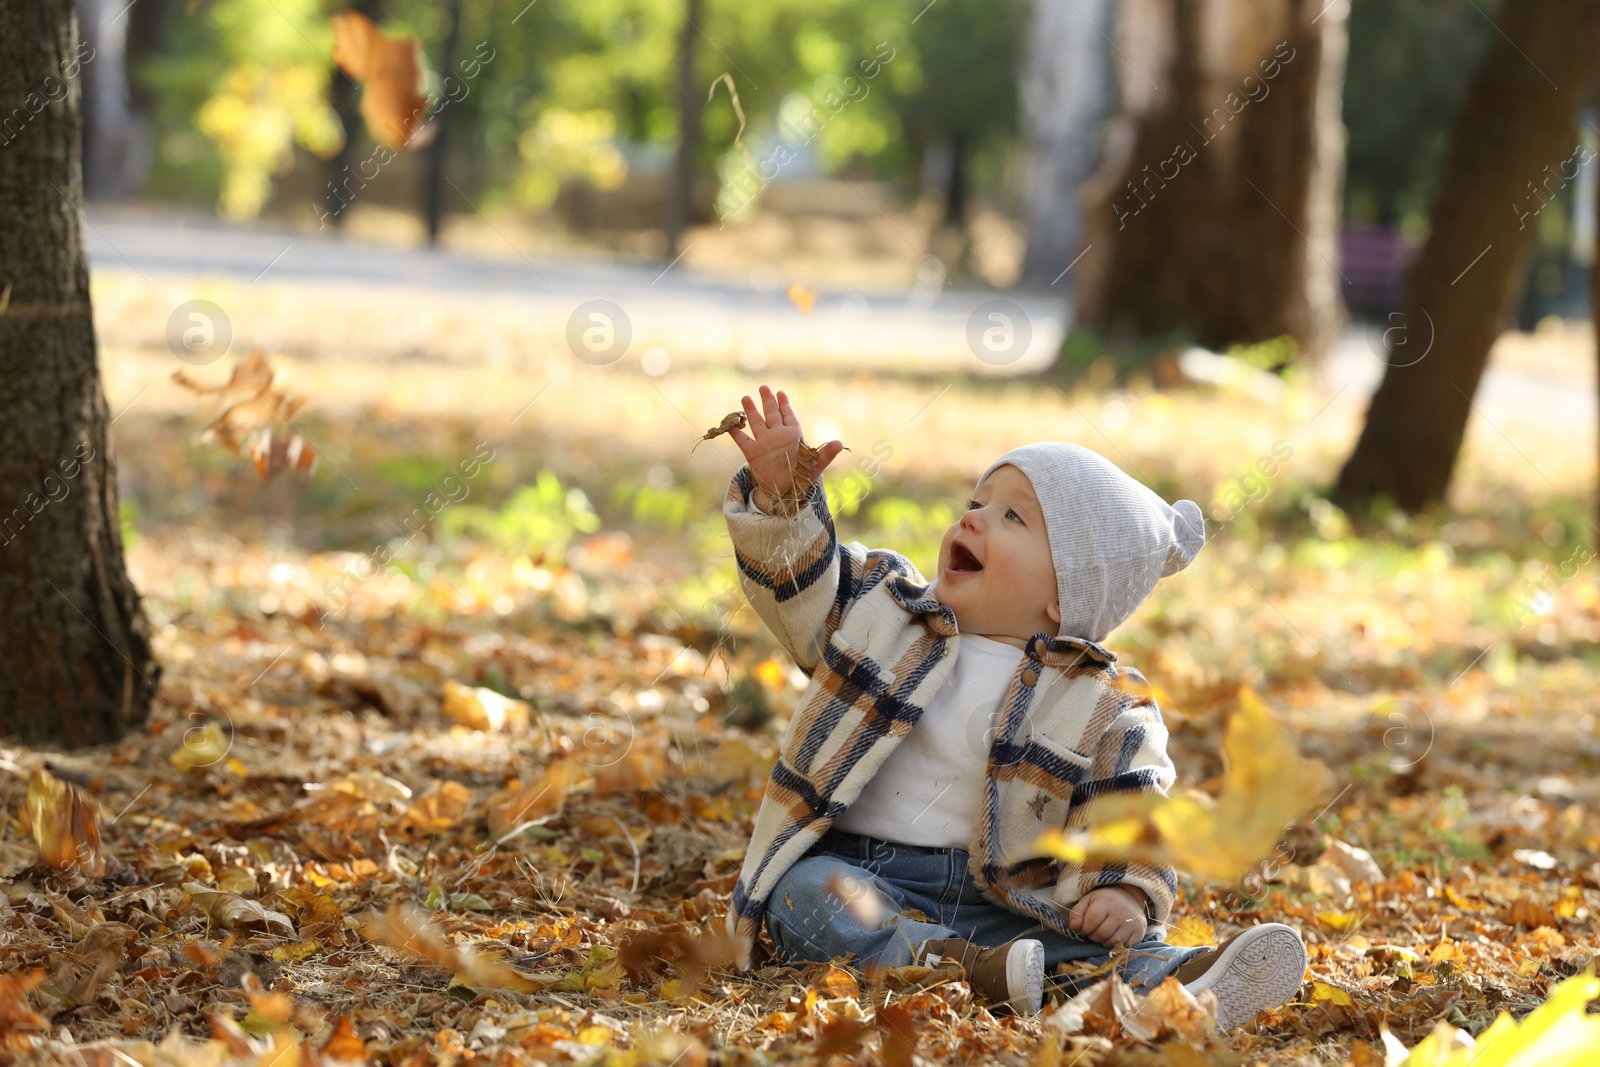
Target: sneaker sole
column 1025, row 976
column 1263, row 968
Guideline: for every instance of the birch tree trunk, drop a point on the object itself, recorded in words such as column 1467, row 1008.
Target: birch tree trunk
column 1066, row 95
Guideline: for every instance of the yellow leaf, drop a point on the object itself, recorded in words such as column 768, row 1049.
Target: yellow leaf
column 1267, row 785
column 837, row 982
column 519, row 806
column 482, row 709
column 1559, row 1033
column 1325, row 991
column 295, row 953
column 597, row 1035
column 1528, row 967
column 770, row 673
column 801, row 296
column 1342, row 921
column 1191, row 930
column 440, row 809
column 203, row 746
column 64, row 822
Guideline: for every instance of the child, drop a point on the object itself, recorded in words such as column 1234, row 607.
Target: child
column 948, row 724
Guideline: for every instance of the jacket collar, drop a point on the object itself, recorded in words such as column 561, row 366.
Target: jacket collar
column 1051, row 650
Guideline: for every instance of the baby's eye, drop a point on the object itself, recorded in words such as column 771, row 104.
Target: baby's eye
column 1011, row 513
column 973, row 504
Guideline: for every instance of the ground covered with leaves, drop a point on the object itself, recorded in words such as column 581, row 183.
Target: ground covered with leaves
column 458, row 742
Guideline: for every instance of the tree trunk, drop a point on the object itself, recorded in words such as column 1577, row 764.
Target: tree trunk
column 1519, row 117
column 680, row 190
column 345, row 96
column 1213, row 212
column 73, row 638
column 438, row 154
column 1065, row 90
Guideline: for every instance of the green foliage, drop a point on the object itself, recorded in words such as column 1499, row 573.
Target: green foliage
column 910, row 527
column 253, row 81
column 542, row 517
column 661, row 507
column 1272, row 355
column 586, row 92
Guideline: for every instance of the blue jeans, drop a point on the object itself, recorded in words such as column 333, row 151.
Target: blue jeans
column 808, row 920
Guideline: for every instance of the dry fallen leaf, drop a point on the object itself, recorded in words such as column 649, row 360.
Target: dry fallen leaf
column 344, row 1044
column 438, row 809
column 390, row 75
column 483, row 709
column 407, row 930
column 238, row 913
column 518, row 807
column 64, row 822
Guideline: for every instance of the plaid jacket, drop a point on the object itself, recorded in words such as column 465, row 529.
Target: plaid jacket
column 877, row 645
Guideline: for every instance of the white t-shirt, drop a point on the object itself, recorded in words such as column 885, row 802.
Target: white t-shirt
column 930, row 788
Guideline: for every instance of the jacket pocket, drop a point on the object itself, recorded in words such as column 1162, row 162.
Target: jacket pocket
column 1035, row 796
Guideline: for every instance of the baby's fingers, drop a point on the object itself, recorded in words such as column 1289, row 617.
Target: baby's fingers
column 753, row 415
column 827, row 453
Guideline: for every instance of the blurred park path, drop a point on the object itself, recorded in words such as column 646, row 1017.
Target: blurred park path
column 1546, row 379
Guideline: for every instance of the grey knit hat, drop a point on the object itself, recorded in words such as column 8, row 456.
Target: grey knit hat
column 1111, row 538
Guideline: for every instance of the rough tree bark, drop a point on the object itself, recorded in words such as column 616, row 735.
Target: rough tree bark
column 1519, row 118
column 75, row 660
column 1065, row 90
column 1213, row 212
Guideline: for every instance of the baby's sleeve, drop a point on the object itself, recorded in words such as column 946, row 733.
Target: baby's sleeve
column 792, row 568
column 1131, row 757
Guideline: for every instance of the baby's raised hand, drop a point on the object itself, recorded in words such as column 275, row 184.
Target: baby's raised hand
column 1110, row 915
column 772, row 447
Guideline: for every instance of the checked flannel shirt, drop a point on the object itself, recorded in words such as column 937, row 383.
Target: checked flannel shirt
column 865, row 627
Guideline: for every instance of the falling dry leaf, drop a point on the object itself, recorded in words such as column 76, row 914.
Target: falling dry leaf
column 1267, row 785
column 20, row 1025
column 644, row 953
column 859, row 897
column 1559, row 1033
column 256, row 419
column 64, row 822
column 390, row 74
column 801, row 296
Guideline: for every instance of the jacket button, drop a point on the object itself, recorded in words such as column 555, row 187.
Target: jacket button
column 1030, row 677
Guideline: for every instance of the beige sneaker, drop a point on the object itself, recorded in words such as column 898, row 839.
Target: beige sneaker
column 1009, row 975
column 1259, row 968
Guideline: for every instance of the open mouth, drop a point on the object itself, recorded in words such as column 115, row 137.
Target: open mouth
column 962, row 560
